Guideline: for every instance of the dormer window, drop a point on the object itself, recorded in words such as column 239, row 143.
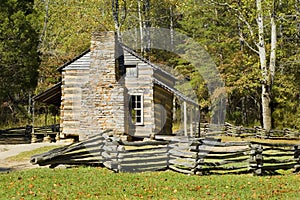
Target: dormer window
column 131, row 71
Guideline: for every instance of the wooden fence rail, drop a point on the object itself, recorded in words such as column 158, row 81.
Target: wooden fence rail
column 23, row 135
column 49, row 133
column 244, row 132
column 20, row 135
column 181, row 154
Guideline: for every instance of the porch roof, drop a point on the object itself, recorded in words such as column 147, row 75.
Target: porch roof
column 176, row 92
column 50, row 96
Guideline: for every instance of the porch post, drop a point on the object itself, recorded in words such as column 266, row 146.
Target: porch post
column 199, row 122
column 33, row 137
column 185, row 119
column 191, row 122
column 33, row 116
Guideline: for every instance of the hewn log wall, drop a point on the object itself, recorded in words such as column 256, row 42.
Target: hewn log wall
column 73, row 81
column 142, row 84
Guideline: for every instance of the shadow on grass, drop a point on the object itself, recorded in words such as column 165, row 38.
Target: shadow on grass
column 5, row 169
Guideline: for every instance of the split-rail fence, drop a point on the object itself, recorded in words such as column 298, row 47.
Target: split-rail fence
column 23, row 135
column 182, row 154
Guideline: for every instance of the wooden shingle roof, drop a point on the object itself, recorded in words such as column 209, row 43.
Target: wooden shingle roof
column 156, row 68
column 81, row 60
column 176, row 92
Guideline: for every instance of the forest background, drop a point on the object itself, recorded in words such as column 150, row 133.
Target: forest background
column 255, row 45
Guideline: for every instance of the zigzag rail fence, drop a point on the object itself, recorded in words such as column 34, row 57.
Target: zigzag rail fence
column 247, row 132
column 23, row 135
column 189, row 155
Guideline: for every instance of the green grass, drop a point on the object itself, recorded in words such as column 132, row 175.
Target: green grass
column 99, row 183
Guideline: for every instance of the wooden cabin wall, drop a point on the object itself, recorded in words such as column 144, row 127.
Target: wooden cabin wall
column 157, row 73
column 72, row 82
column 141, row 84
column 154, row 122
column 163, row 110
column 96, row 97
column 129, row 59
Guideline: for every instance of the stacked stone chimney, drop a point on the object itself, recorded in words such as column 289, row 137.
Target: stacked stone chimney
column 102, row 105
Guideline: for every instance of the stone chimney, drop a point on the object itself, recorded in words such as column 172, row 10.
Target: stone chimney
column 103, row 95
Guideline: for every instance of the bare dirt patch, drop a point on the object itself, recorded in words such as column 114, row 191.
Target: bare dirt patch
column 7, row 151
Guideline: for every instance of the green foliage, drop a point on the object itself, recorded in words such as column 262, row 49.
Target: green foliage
column 65, row 32
column 225, row 29
column 97, row 183
column 18, row 49
column 19, row 58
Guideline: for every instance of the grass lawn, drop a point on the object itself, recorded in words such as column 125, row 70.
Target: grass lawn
column 100, row 183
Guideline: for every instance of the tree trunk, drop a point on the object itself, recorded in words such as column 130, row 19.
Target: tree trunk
column 115, row 12
column 147, row 25
column 141, row 26
column 273, row 49
column 266, row 108
column 44, row 31
column 171, row 28
column 266, row 75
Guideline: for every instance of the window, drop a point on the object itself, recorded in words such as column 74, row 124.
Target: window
column 136, row 109
column 131, row 71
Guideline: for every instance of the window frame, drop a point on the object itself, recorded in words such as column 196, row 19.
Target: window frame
column 136, row 108
column 131, row 68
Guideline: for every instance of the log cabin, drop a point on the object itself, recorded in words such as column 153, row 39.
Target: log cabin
column 110, row 86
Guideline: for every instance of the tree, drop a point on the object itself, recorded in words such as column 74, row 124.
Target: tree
column 267, row 69
column 19, row 58
column 228, row 31
column 65, row 29
column 266, row 42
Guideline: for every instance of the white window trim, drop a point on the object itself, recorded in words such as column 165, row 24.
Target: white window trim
column 142, row 107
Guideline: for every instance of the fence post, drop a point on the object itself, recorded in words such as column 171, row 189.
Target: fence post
column 196, row 160
column 226, row 127
column 199, row 160
column 120, row 149
column 260, row 132
column 238, row 131
column 168, row 154
column 256, row 160
column 266, row 134
column 296, row 134
column 297, row 158
column 198, row 169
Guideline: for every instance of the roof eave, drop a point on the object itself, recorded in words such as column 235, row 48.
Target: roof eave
column 73, row 60
column 50, row 96
column 155, row 67
column 176, row 92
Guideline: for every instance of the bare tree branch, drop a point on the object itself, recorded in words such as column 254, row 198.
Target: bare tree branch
column 247, row 44
column 43, row 33
column 241, row 17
